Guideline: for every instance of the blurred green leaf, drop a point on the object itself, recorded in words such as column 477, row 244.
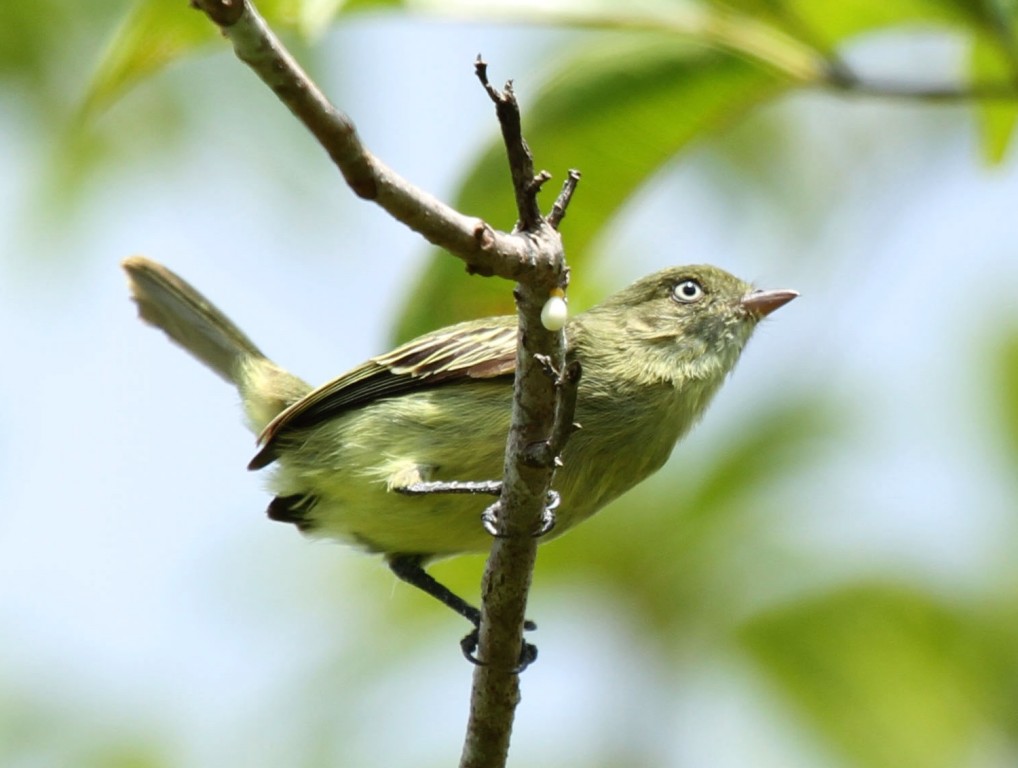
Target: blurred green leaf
column 315, row 16
column 153, row 34
column 37, row 729
column 837, row 21
column 997, row 17
column 125, row 755
column 996, row 118
column 26, row 30
column 158, row 32
column 72, row 169
column 618, row 112
column 684, row 546
column 893, row 676
column 42, row 45
column 1006, row 379
column 824, row 26
column 783, row 15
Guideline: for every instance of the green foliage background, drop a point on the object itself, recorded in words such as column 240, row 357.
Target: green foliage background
column 861, row 666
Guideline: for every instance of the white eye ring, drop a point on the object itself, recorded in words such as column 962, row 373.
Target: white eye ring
column 687, row 291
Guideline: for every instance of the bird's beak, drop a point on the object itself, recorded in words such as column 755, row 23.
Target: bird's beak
column 762, row 303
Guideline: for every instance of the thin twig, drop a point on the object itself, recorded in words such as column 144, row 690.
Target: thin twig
column 797, row 58
column 521, row 163
column 547, row 453
column 558, row 210
column 938, row 93
column 568, row 385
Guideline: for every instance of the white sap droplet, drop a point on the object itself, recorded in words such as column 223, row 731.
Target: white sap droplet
column 554, row 313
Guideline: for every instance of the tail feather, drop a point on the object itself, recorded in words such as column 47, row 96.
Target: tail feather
column 168, row 302
column 171, row 304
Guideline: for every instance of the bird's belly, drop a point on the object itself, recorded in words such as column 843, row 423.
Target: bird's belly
column 354, row 466
column 380, row 520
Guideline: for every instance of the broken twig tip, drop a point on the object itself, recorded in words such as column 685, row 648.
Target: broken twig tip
column 558, row 210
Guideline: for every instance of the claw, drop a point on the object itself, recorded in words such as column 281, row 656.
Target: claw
column 489, row 517
column 469, row 644
column 548, row 514
column 528, row 655
column 528, row 651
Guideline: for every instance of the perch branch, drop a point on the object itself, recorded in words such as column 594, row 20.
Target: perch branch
column 506, row 583
column 533, row 256
column 485, row 250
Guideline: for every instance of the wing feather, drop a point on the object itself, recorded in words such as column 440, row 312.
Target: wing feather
column 468, row 351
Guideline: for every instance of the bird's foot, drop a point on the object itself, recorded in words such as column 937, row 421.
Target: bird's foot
column 528, row 651
column 490, row 517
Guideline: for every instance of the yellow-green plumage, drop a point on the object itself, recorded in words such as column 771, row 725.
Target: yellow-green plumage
column 438, row 408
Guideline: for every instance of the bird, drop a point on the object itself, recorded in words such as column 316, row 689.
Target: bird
column 349, row 458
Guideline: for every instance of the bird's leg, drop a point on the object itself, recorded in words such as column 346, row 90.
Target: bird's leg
column 410, row 568
column 489, row 517
column 419, row 488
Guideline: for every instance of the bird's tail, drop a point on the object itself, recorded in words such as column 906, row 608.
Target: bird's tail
column 168, row 302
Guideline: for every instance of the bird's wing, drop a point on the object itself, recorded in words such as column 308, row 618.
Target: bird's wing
column 461, row 352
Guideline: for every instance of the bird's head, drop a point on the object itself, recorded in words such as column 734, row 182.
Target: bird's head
column 693, row 320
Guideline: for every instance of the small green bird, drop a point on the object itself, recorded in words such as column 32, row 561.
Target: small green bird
column 437, row 409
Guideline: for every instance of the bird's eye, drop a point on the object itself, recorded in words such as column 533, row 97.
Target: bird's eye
column 687, row 291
